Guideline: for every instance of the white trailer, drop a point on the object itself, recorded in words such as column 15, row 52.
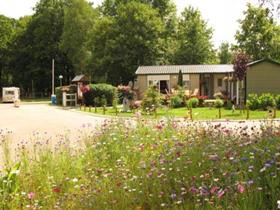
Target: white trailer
column 10, row 94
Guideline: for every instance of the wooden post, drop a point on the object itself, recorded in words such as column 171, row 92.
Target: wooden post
column 104, row 109
column 248, row 113
column 274, row 112
column 52, row 76
column 220, row 113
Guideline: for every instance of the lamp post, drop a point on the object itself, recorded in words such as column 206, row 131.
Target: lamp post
column 60, row 78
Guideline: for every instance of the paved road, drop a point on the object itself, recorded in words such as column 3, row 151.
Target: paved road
column 42, row 118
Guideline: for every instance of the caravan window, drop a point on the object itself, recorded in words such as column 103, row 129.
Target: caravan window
column 9, row 92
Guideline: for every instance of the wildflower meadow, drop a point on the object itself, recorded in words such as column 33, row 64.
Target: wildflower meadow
column 148, row 165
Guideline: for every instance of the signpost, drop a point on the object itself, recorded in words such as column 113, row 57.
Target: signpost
column 53, row 97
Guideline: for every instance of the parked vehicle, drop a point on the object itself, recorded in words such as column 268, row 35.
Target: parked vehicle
column 10, row 94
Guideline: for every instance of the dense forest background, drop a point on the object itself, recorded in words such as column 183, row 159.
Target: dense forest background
column 110, row 41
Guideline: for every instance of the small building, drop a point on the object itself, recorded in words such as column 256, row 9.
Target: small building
column 204, row 79
column 10, row 94
column 80, row 80
column 263, row 76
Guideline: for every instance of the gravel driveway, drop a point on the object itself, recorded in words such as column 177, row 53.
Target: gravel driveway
column 42, row 118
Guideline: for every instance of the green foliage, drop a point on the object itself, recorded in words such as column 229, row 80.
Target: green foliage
column 9, row 185
column 134, row 33
column 176, row 101
column 253, row 102
column 121, row 164
column 180, row 79
column 151, row 100
column 193, row 102
column 194, row 39
column 266, row 100
column 219, row 103
column 6, row 33
column 79, row 18
column 101, row 91
column 225, row 54
column 35, row 47
column 277, row 101
column 257, row 32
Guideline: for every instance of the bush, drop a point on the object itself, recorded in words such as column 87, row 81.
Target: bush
column 126, row 91
column 193, row 102
column 219, row 103
column 151, row 100
column 176, row 101
column 99, row 91
column 253, row 102
column 277, row 101
column 266, row 100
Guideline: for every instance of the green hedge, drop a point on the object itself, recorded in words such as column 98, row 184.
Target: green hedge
column 97, row 92
column 263, row 101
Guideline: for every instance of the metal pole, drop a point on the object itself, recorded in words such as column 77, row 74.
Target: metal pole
column 52, row 76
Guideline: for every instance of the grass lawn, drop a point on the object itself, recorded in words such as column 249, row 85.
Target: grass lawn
column 203, row 113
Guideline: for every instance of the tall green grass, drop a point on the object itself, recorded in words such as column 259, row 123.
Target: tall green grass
column 163, row 165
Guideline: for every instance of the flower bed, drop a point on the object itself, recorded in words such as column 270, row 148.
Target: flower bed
column 152, row 166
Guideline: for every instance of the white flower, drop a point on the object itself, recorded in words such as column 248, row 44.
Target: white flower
column 278, row 204
column 75, row 180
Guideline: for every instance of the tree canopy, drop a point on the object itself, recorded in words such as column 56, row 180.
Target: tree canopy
column 257, row 33
column 110, row 41
column 194, row 39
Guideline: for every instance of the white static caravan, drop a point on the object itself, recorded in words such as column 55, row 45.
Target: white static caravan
column 10, row 94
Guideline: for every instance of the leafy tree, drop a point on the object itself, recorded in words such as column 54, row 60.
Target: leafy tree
column 164, row 7
column 6, row 32
column 240, row 67
column 167, row 13
column 256, row 33
column 79, row 19
column 224, row 53
column 194, row 39
column 35, row 48
column 124, row 42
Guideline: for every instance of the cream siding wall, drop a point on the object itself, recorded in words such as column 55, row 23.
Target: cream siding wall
column 263, row 78
column 142, row 85
column 194, row 81
column 216, row 78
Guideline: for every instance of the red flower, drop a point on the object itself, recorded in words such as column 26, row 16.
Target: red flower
column 56, row 190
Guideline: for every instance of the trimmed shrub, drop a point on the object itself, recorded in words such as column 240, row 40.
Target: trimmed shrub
column 266, row 100
column 219, row 103
column 99, row 91
column 176, row 101
column 151, row 100
column 253, row 102
column 277, row 101
column 193, row 102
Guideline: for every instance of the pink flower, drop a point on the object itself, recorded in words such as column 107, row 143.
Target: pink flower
column 240, row 188
column 214, row 189
column 221, row 193
column 31, row 195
